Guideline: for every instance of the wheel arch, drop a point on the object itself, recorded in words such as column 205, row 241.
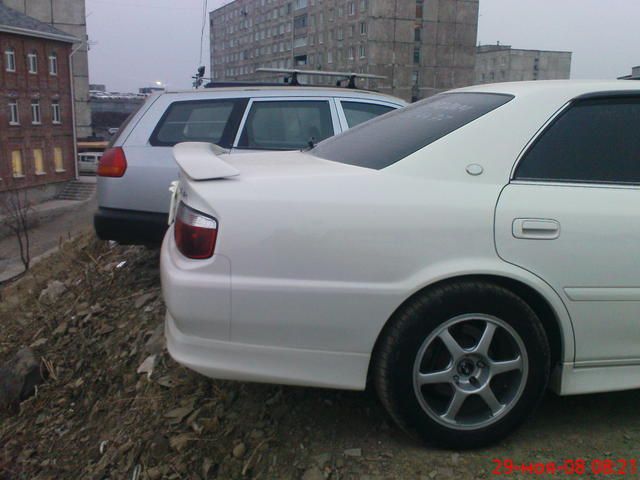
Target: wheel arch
column 551, row 311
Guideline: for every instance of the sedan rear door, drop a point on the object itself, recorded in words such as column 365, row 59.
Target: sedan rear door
column 571, row 215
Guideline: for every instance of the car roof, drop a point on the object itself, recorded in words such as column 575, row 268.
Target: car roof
column 569, row 88
column 276, row 91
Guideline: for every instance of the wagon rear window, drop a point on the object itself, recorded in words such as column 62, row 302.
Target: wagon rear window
column 388, row 139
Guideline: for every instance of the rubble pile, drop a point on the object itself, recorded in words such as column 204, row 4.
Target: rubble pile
column 114, row 404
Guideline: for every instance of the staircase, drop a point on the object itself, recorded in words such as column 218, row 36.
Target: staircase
column 77, row 190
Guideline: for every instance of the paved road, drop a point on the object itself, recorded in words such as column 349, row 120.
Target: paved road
column 46, row 236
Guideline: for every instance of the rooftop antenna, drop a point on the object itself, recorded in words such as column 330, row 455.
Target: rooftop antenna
column 198, row 78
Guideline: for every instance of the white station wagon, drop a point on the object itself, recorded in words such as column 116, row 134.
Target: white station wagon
column 462, row 254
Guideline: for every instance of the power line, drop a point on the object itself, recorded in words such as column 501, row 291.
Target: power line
column 204, row 22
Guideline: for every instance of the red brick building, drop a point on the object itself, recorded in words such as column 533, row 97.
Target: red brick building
column 36, row 116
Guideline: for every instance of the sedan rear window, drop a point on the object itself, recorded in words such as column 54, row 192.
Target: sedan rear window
column 386, row 140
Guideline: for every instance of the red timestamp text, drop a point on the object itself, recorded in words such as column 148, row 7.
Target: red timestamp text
column 570, row 467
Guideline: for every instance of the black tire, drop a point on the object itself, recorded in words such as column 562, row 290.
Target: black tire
column 402, row 338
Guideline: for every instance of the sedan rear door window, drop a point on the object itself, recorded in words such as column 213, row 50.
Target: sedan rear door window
column 286, row 125
column 594, row 141
column 388, row 139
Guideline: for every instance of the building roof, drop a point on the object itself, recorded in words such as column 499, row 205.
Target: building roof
column 500, row 48
column 12, row 21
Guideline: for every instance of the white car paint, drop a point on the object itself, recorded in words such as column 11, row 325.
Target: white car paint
column 314, row 256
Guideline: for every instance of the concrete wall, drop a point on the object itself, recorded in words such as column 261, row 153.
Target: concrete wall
column 68, row 16
column 505, row 64
column 446, row 45
column 446, row 49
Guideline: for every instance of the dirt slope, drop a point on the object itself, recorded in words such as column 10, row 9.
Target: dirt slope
column 97, row 418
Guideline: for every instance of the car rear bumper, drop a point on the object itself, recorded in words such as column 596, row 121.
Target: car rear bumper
column 130, row 227
column 257, row 363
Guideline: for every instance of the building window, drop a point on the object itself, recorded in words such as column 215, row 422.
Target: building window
column 35, row 112
column 417, row 34
column 416, row 55
column 329, row 56
column 363, row 51
column 38, row 161
column 300, row 42
column 419, row 8
column 340, row 34
column 53, row 64
column 351, row 53
column 10, row 59
column 16, row 163
column 414, row 79
column 57, row 159
column 352, row 30
column 55, row 112
column 32, row 62
column 363, row 28
column 300, row 21
column 14, row 117
column 363, row 5
column 351, row 8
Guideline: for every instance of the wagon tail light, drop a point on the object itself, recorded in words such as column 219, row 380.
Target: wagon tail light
column 195, row 233
column 113, row 163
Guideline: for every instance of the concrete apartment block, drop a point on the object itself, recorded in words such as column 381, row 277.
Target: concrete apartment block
column 501, row 63
column 635, row 74
column 421, row 46
column 68, row 16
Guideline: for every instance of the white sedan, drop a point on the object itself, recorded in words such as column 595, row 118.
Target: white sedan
column 462, row 254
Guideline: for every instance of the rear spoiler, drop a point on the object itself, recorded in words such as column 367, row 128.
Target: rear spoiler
column 201, row 161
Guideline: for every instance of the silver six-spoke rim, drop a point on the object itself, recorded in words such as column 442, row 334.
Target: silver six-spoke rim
column 470, row 371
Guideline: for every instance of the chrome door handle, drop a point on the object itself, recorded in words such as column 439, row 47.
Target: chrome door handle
column 536, row 228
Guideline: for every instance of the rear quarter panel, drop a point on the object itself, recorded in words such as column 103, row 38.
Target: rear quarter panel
column 327, row 270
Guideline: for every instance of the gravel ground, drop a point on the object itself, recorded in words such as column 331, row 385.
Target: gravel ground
column 97, row 417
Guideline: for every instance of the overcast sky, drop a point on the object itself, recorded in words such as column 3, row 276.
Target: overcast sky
column 138, row 42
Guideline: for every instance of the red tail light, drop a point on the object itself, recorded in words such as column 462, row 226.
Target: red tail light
column 113, row 163
column 195, row 233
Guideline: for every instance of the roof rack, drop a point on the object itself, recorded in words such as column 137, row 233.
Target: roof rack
column 292, row 75
column 241, row 84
